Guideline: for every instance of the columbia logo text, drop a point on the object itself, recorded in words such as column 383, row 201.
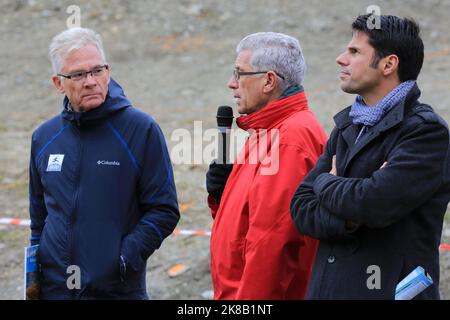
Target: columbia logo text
column 108, row 163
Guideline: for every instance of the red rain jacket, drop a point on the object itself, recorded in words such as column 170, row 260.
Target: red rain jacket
column 256, row 252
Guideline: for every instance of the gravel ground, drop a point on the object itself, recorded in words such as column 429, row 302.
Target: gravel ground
column 173, row 59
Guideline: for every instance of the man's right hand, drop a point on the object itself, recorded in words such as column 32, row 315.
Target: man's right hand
column 216, row 178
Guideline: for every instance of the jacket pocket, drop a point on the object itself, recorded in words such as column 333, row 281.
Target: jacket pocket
column 237, row 253
column 41, row 253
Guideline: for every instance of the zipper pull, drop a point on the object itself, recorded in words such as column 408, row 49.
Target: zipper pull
column 77, row 118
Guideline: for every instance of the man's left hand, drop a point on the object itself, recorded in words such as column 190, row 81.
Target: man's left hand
column 333, row 166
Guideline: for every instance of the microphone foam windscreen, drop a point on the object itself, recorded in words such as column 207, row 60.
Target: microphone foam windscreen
column 224, row 116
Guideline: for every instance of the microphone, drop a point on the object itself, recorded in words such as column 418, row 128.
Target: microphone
column 224, row 121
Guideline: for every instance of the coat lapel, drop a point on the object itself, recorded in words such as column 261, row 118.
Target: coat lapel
column 343, row 124
column 349, row 134
column 391, row 119
column 349, row 131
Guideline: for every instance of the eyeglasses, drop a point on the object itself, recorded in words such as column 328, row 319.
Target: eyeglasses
column 237, row 74
column 79, row 75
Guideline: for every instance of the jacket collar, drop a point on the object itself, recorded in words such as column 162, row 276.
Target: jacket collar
column 115, row 100
column 394, row 116
column 391, row 119
column 274, row 112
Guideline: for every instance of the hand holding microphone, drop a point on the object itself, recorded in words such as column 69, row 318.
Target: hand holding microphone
column 220, row 169
column 224, row 122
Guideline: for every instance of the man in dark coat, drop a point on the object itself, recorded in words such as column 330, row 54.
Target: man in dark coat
column 377, row 196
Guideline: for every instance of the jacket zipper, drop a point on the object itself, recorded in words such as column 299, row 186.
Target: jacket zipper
column 72, row 218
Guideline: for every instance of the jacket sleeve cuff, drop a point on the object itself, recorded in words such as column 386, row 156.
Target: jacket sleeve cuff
column 336, row 228
column 213, row 205
column 339, row 226
column 35, row 239
column 130, row 251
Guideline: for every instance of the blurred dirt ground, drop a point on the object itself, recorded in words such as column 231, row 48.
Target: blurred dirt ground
column 173, row 59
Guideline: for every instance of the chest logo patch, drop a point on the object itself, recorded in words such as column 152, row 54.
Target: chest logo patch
column 55, row 162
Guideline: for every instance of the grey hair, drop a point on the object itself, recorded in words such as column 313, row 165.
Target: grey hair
column 278, row 52
column 70, row 40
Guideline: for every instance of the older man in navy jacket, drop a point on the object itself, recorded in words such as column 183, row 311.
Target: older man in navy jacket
column 377, row 197
column 102, row 193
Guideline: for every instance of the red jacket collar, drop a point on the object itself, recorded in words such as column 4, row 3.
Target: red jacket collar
column 273, row 113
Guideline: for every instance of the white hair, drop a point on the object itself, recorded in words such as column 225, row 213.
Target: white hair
column 278, row 52
column 70, row 40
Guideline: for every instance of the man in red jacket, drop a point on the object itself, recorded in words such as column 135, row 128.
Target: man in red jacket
column 256, row 252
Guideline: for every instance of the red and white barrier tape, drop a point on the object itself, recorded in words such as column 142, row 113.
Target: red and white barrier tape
column 192, row 232
column 17, row 222
column 26, row 222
